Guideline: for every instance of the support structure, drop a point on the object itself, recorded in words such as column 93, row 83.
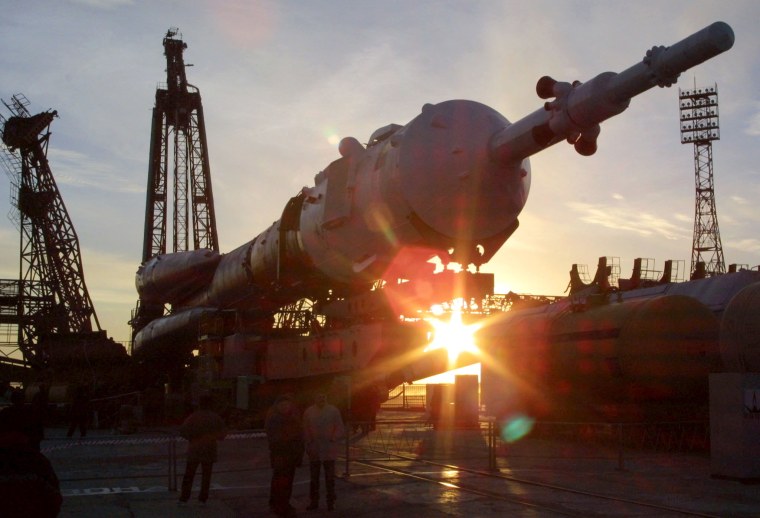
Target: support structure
column 699, row 126
column 179, row 175
column 178, row 144
column 51, row 295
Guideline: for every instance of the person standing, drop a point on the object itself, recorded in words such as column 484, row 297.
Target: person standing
column 79, row 413
column 203, row 428
column 18, row 417
column 285, row 437
column 39, row 416
column 28, row 483
column 323, row 430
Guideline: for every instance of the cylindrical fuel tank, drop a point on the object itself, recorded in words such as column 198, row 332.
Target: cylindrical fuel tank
column 641, row 349
column 740, row 331
column 172, row 336
column 515, row 370
column 658, row 349
column 176, row 276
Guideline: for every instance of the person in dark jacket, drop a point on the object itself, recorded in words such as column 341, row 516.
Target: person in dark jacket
column 28, row 483
column 203, row 428
column 23, row 418
column 285, row 437
column 79, row 413
column 39, row 416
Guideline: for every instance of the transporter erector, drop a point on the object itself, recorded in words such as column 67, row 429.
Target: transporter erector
column 334, row 288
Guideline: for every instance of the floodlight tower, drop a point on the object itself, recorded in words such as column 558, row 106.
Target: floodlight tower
column 699, row 126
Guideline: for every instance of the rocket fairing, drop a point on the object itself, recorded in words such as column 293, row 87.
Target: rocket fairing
column 453, row 180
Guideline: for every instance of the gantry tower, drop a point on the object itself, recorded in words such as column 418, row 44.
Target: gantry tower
column 699, row 126
column 50, row 296
column 177, row 145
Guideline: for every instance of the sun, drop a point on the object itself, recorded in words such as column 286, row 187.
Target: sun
column 453, row 335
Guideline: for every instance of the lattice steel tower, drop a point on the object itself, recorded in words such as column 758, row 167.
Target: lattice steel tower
column 178, row 143
column 699, row 126
column 52, row 298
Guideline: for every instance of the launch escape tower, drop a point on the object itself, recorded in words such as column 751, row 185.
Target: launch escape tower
column 699, row 126
column 177, row 144
column 50, row 296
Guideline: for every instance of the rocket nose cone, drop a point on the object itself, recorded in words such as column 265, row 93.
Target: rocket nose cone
column 448, row 177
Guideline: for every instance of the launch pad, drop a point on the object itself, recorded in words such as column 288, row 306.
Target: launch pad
column 661, row 483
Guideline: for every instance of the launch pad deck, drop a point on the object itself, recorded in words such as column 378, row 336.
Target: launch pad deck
column 110, row 475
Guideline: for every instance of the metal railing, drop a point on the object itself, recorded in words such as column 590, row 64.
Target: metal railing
column 481, row 444
column 407, row 397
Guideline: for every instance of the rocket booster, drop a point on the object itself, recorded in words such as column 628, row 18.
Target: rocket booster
column 452, row 181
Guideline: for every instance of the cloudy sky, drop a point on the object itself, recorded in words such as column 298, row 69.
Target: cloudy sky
column 281, row 80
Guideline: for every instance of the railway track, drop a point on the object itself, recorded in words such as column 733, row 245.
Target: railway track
column 541, row 479
column 511, row 494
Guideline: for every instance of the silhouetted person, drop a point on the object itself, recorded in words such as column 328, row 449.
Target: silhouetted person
column 5, row 392
column 28, row 485
column 22, row 418
column 366, row 405
column 38, row 417
column 79, row 412
column 203, row 428
column 323, row 431
column 285, row 437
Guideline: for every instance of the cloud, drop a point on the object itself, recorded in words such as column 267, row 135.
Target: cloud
column 110, row 282
column 745, row 245
column 739, row 200
column 103, row 4
column 77, row 168
column 685, row 218
column 628, row 220
column 753, row 124
column 244, row 23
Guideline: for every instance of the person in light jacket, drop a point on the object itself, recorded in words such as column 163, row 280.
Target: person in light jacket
column 323, row 431
column 203, row 428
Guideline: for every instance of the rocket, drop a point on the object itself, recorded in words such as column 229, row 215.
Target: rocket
column 452, row 182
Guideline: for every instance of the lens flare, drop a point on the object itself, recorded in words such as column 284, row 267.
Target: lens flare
column 332, row 138
column 516, row 427
column 453, row 335
column 379, row 218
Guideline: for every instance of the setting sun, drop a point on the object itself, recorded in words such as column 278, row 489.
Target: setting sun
column 453, row 335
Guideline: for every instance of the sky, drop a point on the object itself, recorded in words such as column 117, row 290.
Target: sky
column 282, row 81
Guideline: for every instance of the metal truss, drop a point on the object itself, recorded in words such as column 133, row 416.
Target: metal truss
column 699, row 126
column 51, row 295
column 178, row 144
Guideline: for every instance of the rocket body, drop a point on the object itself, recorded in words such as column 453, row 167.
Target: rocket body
column 451, row 183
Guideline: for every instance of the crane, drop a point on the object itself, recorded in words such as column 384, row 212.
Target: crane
column 55, row 317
